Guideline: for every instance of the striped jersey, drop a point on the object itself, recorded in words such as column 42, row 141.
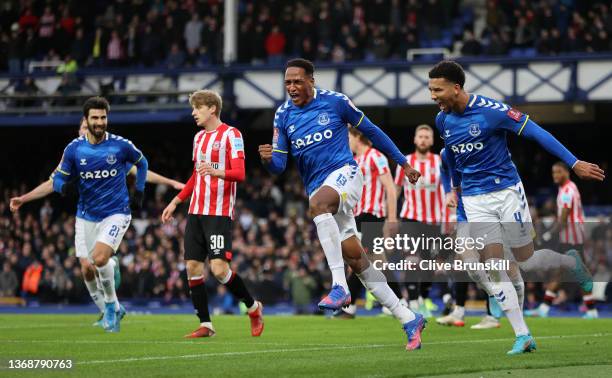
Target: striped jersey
column 373, row 164
column 213, row 195
column 423, row 201
column 568, row 197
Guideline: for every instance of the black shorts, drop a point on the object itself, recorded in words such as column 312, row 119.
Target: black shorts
column 367, row 218
column 208, row 235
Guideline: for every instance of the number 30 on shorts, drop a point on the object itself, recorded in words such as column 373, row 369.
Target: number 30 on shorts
column 217, row 242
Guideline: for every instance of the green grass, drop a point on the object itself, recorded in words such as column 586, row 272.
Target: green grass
column 301, row 345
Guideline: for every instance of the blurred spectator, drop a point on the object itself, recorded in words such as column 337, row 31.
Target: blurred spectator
column 114, row 50
column 26, row 87
column 176, row 58
column 193, row 34
column 275, row 45
column 46, row 29
column 8, row 281
column 470, row 45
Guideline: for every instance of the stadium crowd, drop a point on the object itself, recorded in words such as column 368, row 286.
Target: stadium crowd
column 274, row 243
column 175, row 34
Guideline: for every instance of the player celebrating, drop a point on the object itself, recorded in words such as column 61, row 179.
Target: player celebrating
column 474, row 130
column 422, row 203
column 378, row 200
column 218, row 156
column 90, row 277
column 312, row 125
column 99, row 160
column 570, row 224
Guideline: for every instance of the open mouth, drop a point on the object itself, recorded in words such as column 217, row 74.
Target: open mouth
column 294, row 96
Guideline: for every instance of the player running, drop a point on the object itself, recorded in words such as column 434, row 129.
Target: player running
column 91, row 279
column 422, row 204
column 312, row 127
column 218, row 157
column 474, row 129
column 378, row 204
column 494, row 312
column 570, row 225
column 98, row 162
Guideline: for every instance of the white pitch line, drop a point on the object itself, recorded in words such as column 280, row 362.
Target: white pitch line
column 186, row 342
column 319, row 347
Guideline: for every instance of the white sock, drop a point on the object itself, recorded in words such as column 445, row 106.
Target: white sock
column 459, row 312
column 253, row 307
column 227, row 277
column 480, row 277
column 207, row 325
column 543, row 260
column 96, row 293
column 107, row 278
column 518, row 283
column 506, row 296
column 375, row 281
column 414, row 304
column 329, row 236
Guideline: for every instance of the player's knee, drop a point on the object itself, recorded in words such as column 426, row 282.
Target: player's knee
column 219, row 269
column 194, row 268
column 89, row 272
column 320, row 206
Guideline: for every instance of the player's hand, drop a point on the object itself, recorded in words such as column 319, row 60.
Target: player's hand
column 412, row 174
column 589, row 171
column 177, row 185
column 136, row 200
column 167, row 213
column 451, row 199
column 16, row 203
column 390, row 228
column 205, row 169
column 265, row 152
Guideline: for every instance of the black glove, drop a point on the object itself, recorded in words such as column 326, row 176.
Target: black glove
column 136, row 200
column 69, row 189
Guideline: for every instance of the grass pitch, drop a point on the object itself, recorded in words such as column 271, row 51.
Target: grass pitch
column 153, row 346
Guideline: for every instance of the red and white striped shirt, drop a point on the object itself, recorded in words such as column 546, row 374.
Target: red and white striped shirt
column 568, row 197
column 214, row 195
column 373, row 164
column 422, row 201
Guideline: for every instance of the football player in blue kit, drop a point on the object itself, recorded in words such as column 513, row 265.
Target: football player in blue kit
column 474, row 130
column 312, row 127
column 99, row 162
column 91, row 279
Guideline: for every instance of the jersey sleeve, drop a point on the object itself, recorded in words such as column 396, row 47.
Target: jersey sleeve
column 280, row 143
column 503, row 116
column 380, row 163
column 440, row 117
column 566, row 199
column 348, row 112
column 66, row 170
column 399, row 176
column 235, row 144
column 132, row 153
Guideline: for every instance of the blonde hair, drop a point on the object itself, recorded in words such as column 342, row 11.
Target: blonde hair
column 358, row 134
column 208, row 98
column 423, row 127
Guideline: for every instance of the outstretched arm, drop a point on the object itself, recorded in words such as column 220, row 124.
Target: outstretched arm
column 42, row 190
column 156, row 178
column 381, row 141
column 584, row 170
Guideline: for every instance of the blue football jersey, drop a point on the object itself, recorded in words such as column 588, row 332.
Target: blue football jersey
column 101, row 170
column 448, row 168
column 316, row 135
column 477, row 140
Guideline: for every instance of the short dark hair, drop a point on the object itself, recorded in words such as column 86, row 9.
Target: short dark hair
column 562, row 165
column 301, row 63
column 96, row 102
column 449, row 70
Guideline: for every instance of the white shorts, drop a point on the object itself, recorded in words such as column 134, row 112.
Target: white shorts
column 500, row 216
column 348, row 182
column 463, row 231
column 109, row 231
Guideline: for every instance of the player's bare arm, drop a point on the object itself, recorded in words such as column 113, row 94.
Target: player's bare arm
column 42, row 190
column 156, row 178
